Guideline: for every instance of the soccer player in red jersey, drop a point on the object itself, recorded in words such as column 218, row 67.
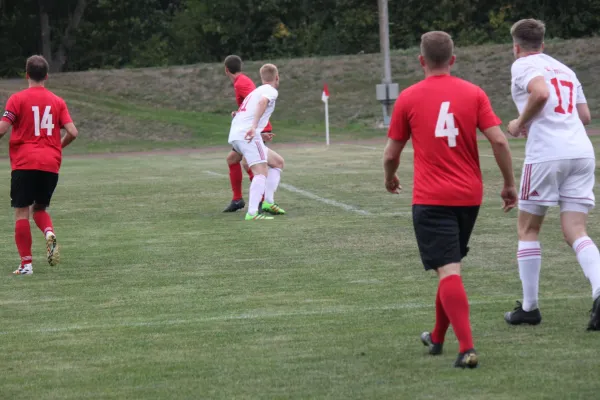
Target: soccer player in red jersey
column 37, row 116
column 242, row 85
column 442, row 114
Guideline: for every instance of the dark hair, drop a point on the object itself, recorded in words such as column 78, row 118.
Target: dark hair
column 233, row 64
column 37, row 68
column 529, row 34
column 438, row 48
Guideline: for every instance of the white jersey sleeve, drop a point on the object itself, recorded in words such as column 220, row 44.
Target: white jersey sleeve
column 524, row 72
column 556, row 132
column 580, row 96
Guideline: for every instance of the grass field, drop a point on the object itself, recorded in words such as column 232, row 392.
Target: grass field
column 161, row 296
column 189, row 106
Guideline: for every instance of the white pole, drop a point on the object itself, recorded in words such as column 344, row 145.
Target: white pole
column 327, row 121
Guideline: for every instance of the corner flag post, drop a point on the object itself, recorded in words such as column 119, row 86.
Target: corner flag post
column 325, row 99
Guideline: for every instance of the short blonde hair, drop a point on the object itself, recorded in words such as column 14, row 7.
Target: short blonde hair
column 437, row 48
column 529, row 33
column 268, row 73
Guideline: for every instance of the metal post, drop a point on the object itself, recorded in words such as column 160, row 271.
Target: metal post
column 384, row 43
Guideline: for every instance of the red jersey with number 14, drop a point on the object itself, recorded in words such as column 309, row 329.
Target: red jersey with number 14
column 243, row 86
column 441, row 114
column 37, row 116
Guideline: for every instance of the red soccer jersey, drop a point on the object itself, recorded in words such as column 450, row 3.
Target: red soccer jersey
column 243, row 87
column 442, row 114
column 37, row 116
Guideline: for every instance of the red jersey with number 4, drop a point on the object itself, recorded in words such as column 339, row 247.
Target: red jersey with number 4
column 243, row 86
column 442, row 114
column 37, row 116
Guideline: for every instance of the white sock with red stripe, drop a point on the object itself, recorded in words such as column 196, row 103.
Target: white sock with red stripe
column 257, row 189
column 589, row 259
column 529, row 258
column 272, row 182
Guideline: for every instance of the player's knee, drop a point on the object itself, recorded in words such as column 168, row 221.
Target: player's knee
column 232, row 158
column 38, row 207
column 22, row 213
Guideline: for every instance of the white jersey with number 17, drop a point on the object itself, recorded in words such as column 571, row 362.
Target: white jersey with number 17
column 556, row 133
column 242, row 122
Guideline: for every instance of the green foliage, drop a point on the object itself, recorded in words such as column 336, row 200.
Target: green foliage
column 140, row 33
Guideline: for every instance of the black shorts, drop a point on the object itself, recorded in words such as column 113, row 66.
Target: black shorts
column 443, row 233
column 28, row 187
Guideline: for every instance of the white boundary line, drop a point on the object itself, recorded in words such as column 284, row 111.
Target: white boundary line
column 310, row 195
column 339, row 310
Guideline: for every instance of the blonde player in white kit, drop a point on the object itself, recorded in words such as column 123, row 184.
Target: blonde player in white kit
column 559, row 165
column 252, row 117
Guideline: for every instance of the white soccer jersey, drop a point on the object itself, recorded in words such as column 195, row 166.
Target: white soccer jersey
column 556, row 133
column 242, row 122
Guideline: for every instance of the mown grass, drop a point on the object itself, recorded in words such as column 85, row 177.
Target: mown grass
column 161, row 296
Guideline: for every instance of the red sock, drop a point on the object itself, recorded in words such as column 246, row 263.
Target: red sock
column 441, row 321
column 454, row 299
column 250, row 174
column 23, row 240
column 235, row 178
column 43, row 221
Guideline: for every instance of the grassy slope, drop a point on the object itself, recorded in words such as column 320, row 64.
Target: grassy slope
column 177, row 302
column 189, row 105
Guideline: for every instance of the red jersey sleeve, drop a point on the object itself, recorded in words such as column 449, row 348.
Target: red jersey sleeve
column 399, row 125
column 486, row 118
column 11, row 112
column 64, row 117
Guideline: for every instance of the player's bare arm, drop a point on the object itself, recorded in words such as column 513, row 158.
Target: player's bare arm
column 538, row 96
column 584, row 113
column 391, row 162
column 70, row 135
column 260, row 110
column 503, row 157
column 4, row 127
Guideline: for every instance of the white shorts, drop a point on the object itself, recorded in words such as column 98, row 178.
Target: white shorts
column 254, row 152
column 558, row 182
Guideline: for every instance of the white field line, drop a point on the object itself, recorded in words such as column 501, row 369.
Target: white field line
column 412, row 151
column 340, row 310
column 312, row 196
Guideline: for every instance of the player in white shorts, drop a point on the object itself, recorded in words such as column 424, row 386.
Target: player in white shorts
column 559, row 165
column 266, row 165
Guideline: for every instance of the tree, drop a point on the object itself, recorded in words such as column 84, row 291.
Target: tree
column 58, row 58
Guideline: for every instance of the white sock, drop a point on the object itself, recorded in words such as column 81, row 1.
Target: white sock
column 589, row 259
column 529, row 258
column 272, row 182
column 257, row 189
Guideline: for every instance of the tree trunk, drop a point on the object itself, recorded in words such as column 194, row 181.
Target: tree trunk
column 45, row 32
column 67, row 40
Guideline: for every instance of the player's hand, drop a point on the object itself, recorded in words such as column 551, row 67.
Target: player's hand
column 393, row 185
column 267, row 136
column 233, row 114
column 509, row 198
column 250, row 134
column 514, row 129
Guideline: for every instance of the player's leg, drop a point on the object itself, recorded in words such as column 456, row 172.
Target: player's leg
column 539, row 190
column 247, row 169
column 256, row 156
column 22, row 197
column 47, row 182
column 236, row 181
column 437, row 230
column 577, row 199
column 276, row 164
